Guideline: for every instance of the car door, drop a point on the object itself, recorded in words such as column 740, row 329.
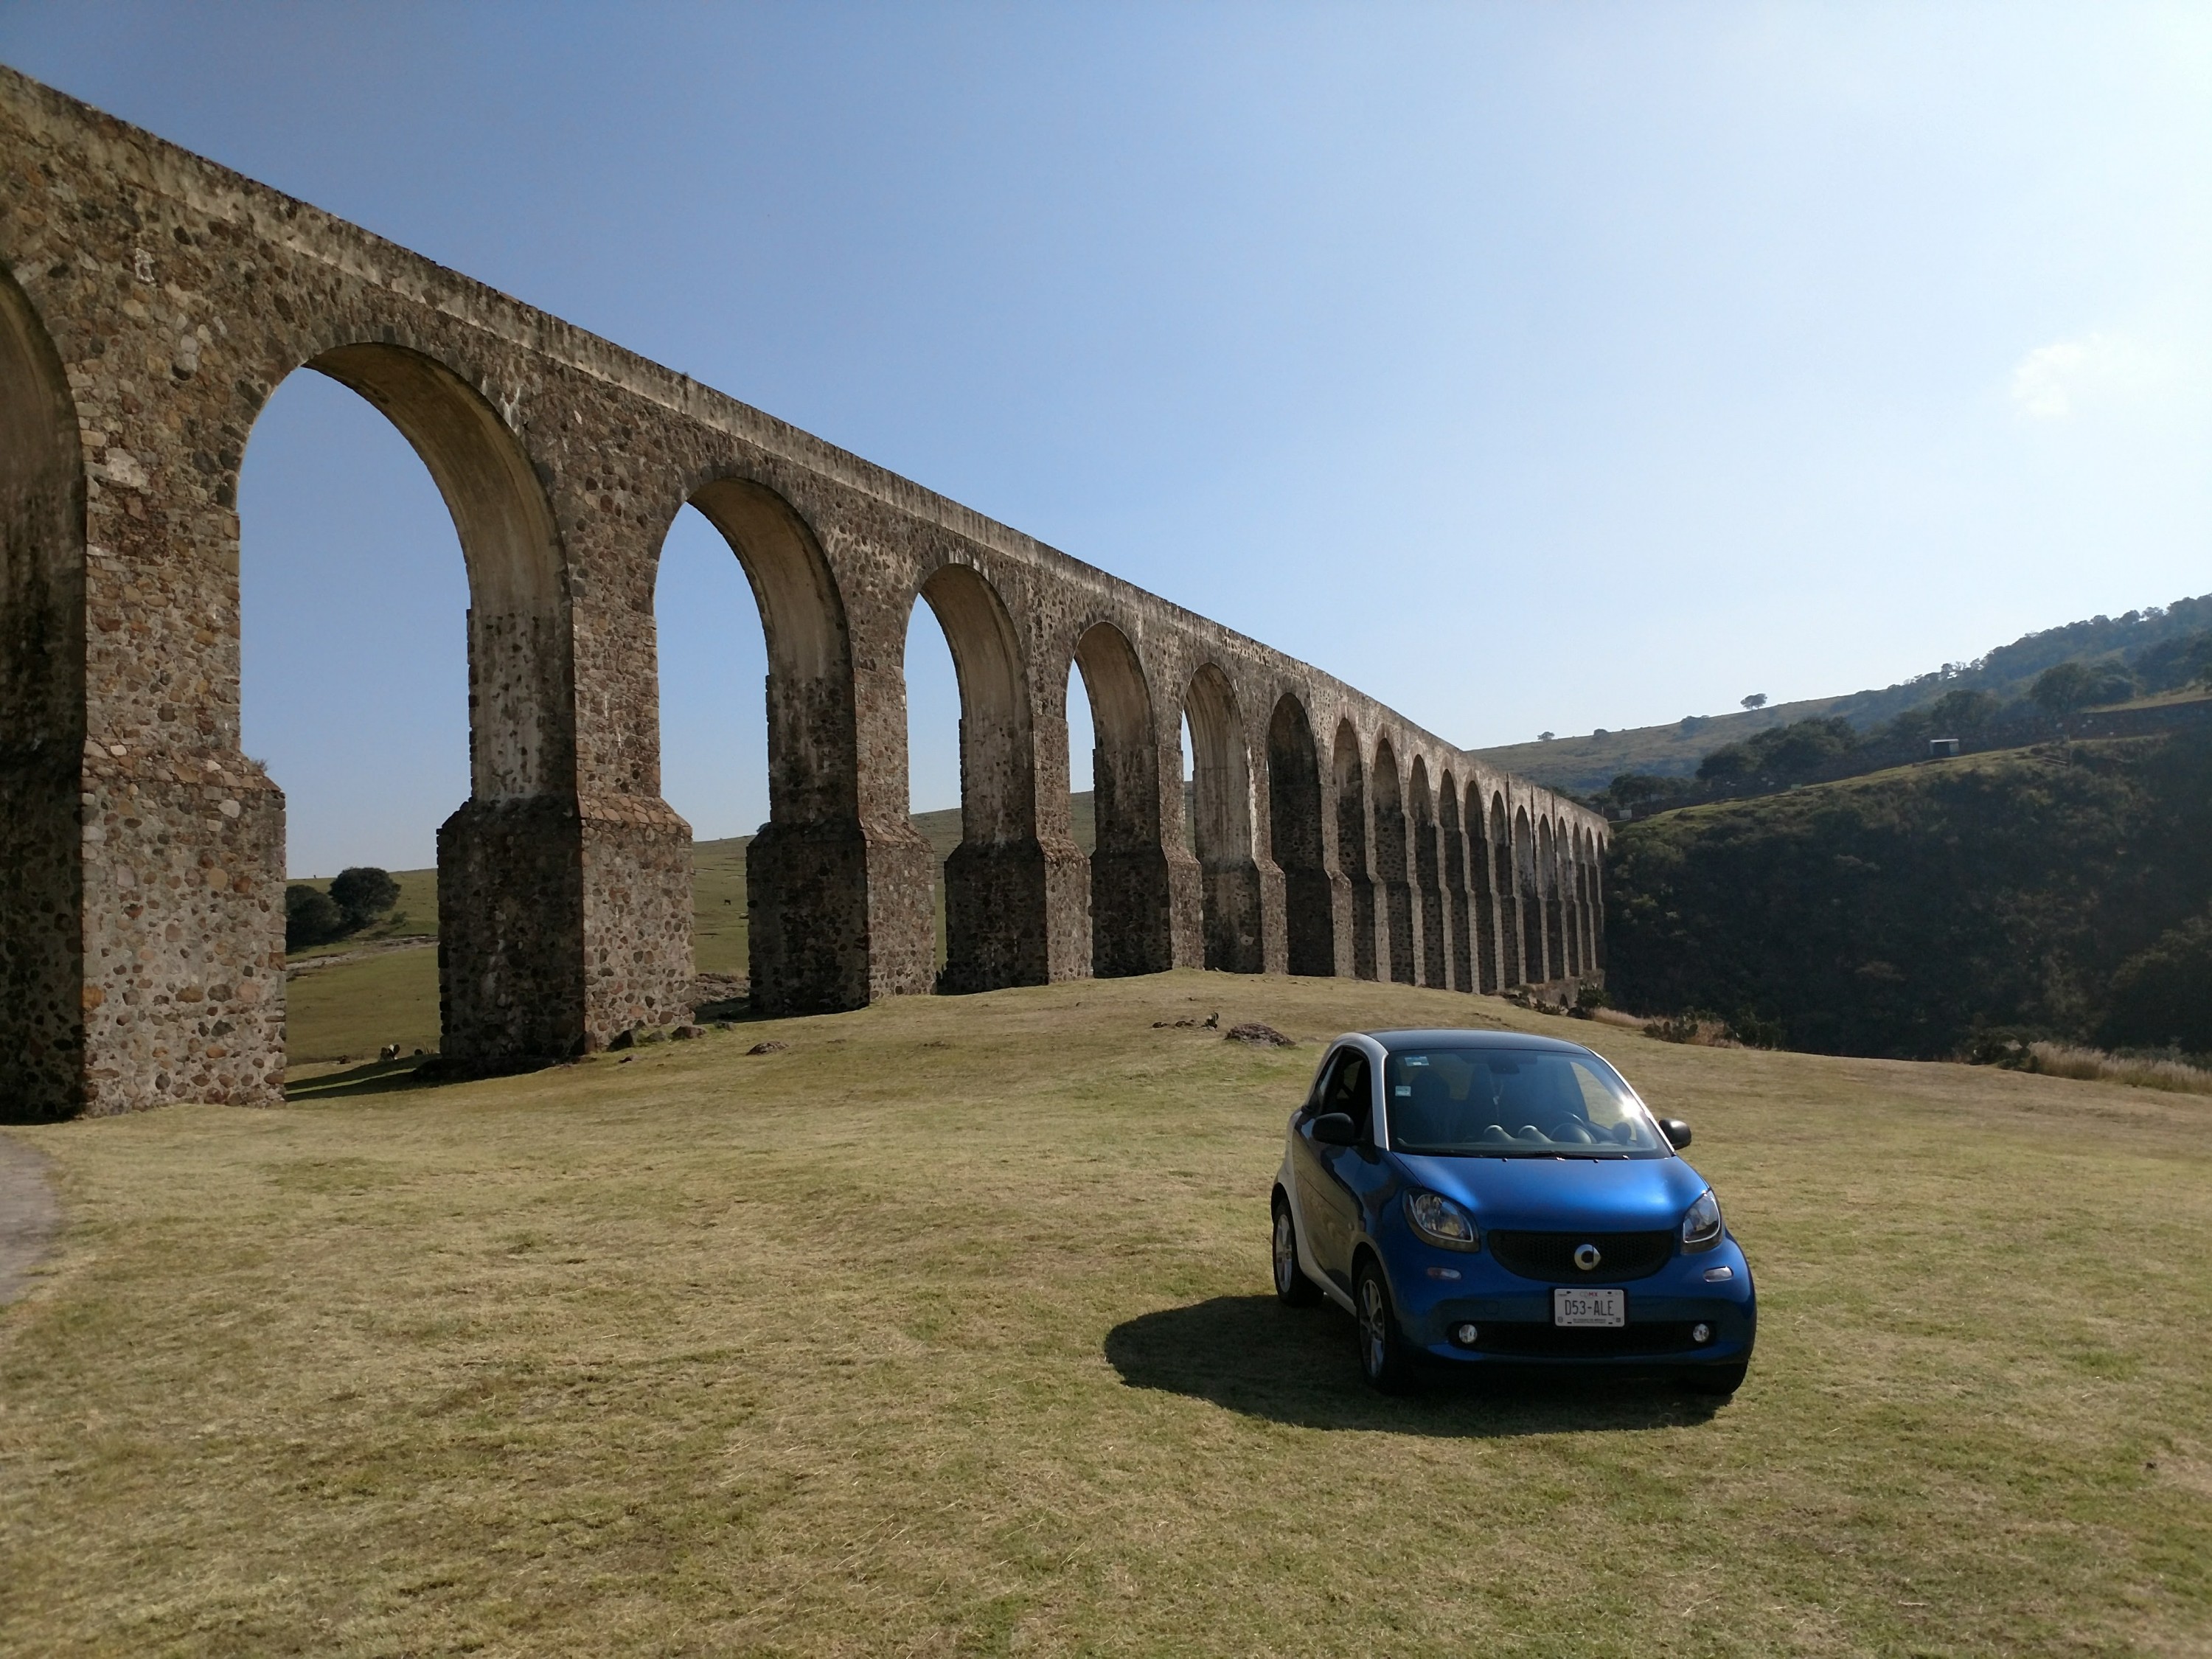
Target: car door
column 1328, row 1204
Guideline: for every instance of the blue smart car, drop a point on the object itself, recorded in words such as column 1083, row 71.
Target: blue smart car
column 1485, row 1197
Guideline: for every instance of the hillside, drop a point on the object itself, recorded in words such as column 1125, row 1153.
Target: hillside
column 2052, row 889
column 2136, row 642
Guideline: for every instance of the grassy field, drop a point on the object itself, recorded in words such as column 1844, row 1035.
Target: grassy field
column 946, row 1330
column 352, row 1008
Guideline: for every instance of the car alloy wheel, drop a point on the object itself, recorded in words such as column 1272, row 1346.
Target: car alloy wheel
column 1382, row 1357
column 1292, row 1287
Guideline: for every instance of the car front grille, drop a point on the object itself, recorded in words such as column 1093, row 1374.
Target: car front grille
column 1550, row 1257
column 1531, row 1341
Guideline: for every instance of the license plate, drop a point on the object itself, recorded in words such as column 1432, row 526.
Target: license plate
column 1606, row 1307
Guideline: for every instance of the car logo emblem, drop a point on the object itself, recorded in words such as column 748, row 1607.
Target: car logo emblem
column 1587, row 1257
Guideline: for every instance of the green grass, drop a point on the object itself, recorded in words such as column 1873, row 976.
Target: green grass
column 352, row 1009
column 945, row 1331
column 718, row 932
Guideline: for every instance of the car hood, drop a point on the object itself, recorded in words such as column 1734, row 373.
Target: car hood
column 1550, row 1194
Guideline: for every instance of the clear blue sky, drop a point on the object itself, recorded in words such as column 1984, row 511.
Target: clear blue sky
column 1533, row 367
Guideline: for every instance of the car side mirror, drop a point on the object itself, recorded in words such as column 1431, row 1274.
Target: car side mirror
column 1335, row 1129
column 1676, row 1130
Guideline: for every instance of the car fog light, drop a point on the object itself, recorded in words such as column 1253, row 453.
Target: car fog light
column 1720, row 1274
column 1701, row 1333
column 1444, row 1273
column 1465, row 1335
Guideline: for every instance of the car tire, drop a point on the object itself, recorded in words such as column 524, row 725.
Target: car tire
column 1385, row 1360
column 1718, row 1382
column 1292, row 1288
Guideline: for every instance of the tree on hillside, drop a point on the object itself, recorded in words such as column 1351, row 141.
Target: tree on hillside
column 1795, row 750
column 363, row 892
column 2163, row 996
column 311, row 917
column 1756, row 700
column 2070, row 685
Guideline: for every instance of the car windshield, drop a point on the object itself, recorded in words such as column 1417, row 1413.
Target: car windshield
column 1507, row 1103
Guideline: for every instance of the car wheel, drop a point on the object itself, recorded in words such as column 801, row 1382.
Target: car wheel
column 1719, row 1381
column 1384, row 1360
column 1292, row 1288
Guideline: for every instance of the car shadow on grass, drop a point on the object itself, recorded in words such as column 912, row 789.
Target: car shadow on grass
column 1296, row 1365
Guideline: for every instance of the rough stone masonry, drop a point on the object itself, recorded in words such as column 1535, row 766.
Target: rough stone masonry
column 152, row 301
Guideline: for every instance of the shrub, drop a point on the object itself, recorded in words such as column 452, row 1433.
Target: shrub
column 311, row 917
column 2067, row 686
column 363, row 892
column 1795, row 750
column 2163, row 995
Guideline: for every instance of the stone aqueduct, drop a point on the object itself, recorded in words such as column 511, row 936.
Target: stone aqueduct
column 153, row 301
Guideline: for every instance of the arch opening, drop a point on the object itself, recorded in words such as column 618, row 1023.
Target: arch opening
column 995, row 920
column 787, row 905
column 1428, row 880
column 1547, row 888
column 1506, row 876
column 521, row 730
column 1294, row 813
column 1392, row 869
column 511, row 945
column 1131, row 921
column 1482, row 893
column 1452, row 851
column 1221, row 823
column 1529, row 898
column 1350, row 772
column 710, row 763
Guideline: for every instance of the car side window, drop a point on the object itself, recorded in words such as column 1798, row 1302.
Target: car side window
column 1349, row 1091
column 1324, row 1080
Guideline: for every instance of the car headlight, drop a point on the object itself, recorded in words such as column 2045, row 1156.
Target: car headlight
column 1701, row 1225
column 1440, row 1221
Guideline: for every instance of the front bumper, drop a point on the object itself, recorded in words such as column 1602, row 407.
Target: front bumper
column 1512, row 1316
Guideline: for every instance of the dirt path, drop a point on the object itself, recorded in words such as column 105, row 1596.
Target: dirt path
column 30, row 1215
column 379, row 948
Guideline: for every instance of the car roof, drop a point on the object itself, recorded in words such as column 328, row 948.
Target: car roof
column 1449, row 1036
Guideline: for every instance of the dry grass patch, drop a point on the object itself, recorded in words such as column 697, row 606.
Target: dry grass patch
column 2094, row 1065
column 946, row 1330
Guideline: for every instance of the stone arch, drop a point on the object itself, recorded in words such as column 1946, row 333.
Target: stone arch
column 522, row 675
column 1452, row 844
column 1482, row 892
column 1527, row 880
column 1131, row 908
column 1585, row 923
column 1351, row 848
column 42, row 722
column 809, row 941
column 1222, row 779
column 994, row 909
column 1393, row 867
column 1509, row 839
column 1294, row 810
column 1570, row 895
column 810, row 662
column 1548, row 887
column 1428, row 879
column 1596, row 902
column 513, row 982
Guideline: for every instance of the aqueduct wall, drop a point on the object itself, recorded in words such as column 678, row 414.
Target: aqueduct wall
column 151, row 303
